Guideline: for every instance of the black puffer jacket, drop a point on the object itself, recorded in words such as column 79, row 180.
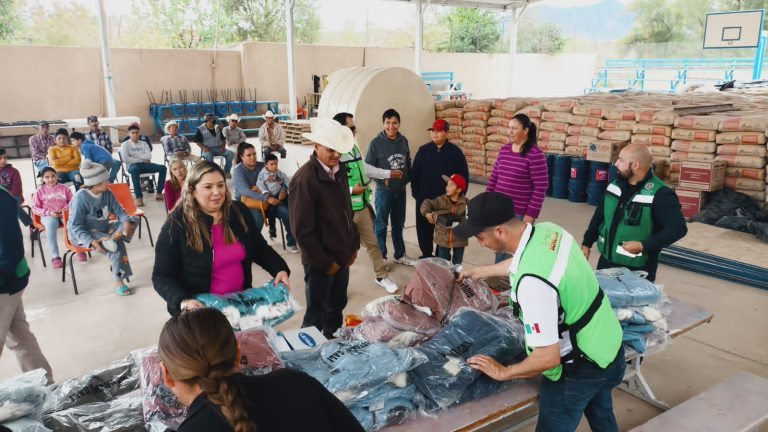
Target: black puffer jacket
column 181, row 273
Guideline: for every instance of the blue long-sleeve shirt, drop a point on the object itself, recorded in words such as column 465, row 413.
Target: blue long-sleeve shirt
column 431, row 164
column 95, row 153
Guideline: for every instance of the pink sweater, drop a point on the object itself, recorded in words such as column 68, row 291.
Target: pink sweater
column 523, row 178
column 227, row 274
column 50, row 199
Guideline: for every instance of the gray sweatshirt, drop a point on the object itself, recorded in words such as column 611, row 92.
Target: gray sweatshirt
column 89, row 215
column 135, row 152
column 390, row 154
column 244, row 179
column 233, row 136
column 272, row 182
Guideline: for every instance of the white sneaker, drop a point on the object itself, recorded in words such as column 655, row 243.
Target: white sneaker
column 293, row 249
column 405, row 260
column 388, row 285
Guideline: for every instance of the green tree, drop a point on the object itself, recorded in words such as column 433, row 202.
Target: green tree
column 470, row 30
column 8, row 20
column 264, row 20
column 656, row 21
column 178, row 24
column 540, row 38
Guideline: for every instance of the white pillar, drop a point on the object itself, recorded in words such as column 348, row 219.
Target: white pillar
column 516, row 12
column 291, row 64
column 419, row 36
column 109, row 91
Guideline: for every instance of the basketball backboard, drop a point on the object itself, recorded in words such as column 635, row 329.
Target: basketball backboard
column 738, row 29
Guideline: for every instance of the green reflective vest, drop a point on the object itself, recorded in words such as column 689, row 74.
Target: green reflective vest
column 552, row 255
column 356, row 175
column 635, row 223
column 22, row 268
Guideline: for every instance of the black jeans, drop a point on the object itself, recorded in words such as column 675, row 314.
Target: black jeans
column 584, row 388
column 425, row 233
column 326, row 299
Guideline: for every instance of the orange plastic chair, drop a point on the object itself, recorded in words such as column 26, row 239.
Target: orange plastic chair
column 122, row 192
column 70, row 253
column 36, row 230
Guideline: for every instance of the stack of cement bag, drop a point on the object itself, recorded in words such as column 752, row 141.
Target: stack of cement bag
column 742, row 145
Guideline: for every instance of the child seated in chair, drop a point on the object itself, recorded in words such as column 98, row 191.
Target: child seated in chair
column 89, row 223
column 274, row 183
column 50, row 201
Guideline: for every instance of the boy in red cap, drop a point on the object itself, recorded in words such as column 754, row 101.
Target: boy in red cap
column 445, row 212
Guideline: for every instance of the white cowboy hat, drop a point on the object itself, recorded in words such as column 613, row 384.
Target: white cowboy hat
column 269, row 114
column 233, row 116
column 329, row 133
column 167, row 127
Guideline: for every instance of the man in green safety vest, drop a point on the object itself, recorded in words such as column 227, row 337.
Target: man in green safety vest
column 572, row 335
column 359, row 190
column 639, row 216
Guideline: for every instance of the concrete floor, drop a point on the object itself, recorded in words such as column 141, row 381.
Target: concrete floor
column 84, row 332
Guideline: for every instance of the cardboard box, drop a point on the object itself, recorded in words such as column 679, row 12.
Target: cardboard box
column 706, row 176
column 306, row 338
column 604, row 150
column 692, row 201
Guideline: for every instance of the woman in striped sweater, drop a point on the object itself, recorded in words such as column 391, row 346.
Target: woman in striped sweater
column 521, row 171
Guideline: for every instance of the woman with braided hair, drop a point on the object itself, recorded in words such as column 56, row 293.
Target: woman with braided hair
column 200, row 360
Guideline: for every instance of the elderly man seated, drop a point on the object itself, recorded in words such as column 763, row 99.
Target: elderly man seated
column 271, row 136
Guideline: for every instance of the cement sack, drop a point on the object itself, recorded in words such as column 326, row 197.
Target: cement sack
column 654, row 140
column 498, row 130
column 490, row 162
column 472, row 145
column 474, row 123
column 533, row 111
column 679, row 156
column 699, row 122
column 576, row 151
column 448, row 113
column 473, row 131
column 498, row 138
column 479, row 105
column 497, row 121
column 660, row 150
column 586, row 121
column 693, row 135
column 492, row 154
column 674, row 177
column 453, row 135
column 758, row 196
column 742, row 183
column 744, row 124
column 593, row 111
column 623, row 125
column 615, row 135
column 580, row 140
column 474, row 152
column 547, row 145
column 477, row 172
column 555, row 152
column 553, row 126
column 694, row 146
column 741, row 150
column 642, row 128
column 453, row 121
column 460, row 103
column 502, row 113
column 562, row 105
column 473, row 138
column 742, row 161
column 740, row 138
column 443, row 105
column 494, row 145
column 510, row 104
column 750, row 173
column 657, row 117
column 476, row 159
column 554, row 116
column 476, row 165
column 675, row 167
column 458, row 142
column 620, row 113
column 583, row 130
column 476, row 115
column 552, row 136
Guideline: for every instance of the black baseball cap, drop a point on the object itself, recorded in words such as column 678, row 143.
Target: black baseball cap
column 489, row 209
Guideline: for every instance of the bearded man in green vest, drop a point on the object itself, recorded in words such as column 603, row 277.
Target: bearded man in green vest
column 639, row 216
column 572, row 336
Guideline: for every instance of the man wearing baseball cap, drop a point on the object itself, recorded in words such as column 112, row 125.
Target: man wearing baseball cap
column 434, row 160
column 572, row 335
column 39, row 145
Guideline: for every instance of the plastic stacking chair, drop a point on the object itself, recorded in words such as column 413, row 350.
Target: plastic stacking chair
column 70, row 253
column 35, row 231
column 123, row 194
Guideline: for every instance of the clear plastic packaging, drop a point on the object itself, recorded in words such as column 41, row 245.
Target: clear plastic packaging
column 119, row 415
column 158, row 404
column 266, row 305
column 258, row 351
column 375, row 308
column 26, row 424
column 405, row 317
column 24, row 395
column 625, row 287
column 101, row 385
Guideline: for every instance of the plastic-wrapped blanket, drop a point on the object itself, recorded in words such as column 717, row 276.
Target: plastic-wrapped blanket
column 102, row 385
column 119, row 415
column 267, row 305
column 158, row 404
column 24, row 395
column 446, row 377
column 383, row 406
column 26, row 424
column 258, row 351
column 627, row 288
column 388, row 318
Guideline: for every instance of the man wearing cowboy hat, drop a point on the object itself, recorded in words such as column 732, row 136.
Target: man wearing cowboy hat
column 233, row 135
column 177, row 145
column 271, row 136
column 322, row 221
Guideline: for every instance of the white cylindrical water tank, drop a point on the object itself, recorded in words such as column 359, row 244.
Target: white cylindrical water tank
column 366, row 92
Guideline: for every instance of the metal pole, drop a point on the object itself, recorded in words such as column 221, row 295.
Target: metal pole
column 517, row 12
column 109, row 91
column 757, row 69
column 291, row 65
column 419, row 35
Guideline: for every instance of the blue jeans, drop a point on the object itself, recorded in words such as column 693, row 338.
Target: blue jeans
column 39, row 165
column 137, row 169
column 71, row 176
column 113, row 169
column 228, row 156
column 583, row 388
column 390, row 206
column 445, row 253
column 51, row 224
column 281, row 212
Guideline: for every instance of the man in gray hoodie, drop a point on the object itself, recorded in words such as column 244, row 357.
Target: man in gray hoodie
column 389, row 150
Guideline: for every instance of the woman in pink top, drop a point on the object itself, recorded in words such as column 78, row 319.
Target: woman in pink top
column 50, row 200
column 172, row 188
